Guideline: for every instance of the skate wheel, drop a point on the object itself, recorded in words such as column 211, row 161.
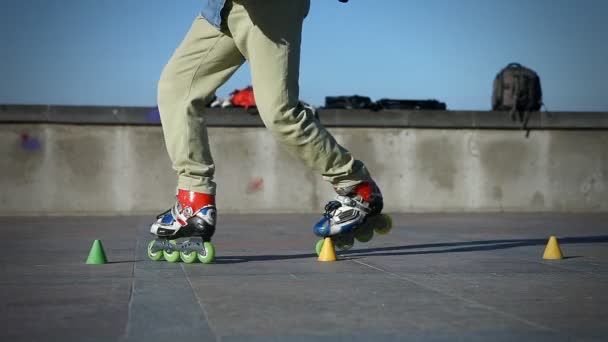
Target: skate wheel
column 344, row 242
column 188, row 258
column 155, row 256
column 364, row 233
column 319, row 246
column 171, row 256
column 383, row 225
column 209, row 255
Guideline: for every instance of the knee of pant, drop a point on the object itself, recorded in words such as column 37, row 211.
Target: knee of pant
column 292, row 129
column 175, row 92
column 279, row 129
column 287, row 121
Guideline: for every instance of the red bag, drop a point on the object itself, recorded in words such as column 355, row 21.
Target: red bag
column 243, row 98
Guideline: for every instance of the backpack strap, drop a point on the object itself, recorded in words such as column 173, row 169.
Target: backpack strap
column 525, row 115
column 515, row 93
column 501, row 90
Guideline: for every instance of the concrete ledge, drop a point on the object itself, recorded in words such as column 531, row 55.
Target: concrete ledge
column 79, row 169
column 238, row 117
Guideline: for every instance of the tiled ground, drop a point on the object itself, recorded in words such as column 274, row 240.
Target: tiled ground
column 434, row 278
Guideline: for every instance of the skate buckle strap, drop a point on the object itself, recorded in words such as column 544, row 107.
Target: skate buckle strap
column 178, row 214
column 351, row 202
column 331, row 207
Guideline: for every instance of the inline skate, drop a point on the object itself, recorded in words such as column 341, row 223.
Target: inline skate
column 355, row 214
column 192, row 220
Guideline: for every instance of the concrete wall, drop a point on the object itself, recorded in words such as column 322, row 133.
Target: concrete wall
column 70, row 169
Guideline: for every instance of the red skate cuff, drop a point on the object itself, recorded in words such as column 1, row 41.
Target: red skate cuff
column 195, row 200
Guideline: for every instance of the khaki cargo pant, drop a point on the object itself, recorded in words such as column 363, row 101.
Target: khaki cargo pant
column 267, row 34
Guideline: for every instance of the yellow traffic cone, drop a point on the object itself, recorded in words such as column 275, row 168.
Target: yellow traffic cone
column 328, row 253
column 552, row 251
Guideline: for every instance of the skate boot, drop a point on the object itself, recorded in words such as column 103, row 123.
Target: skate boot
column 354, row 214
column 193, row 218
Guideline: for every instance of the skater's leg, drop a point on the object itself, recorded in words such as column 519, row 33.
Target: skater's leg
column 268, row 33
column 205, row 59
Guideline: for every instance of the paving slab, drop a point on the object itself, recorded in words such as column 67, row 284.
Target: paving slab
column 435, row 277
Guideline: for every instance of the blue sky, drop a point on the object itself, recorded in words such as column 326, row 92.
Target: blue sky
column 111, row 52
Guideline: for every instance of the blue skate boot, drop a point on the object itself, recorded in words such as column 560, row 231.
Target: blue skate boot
column 354, row 214
column 193, row 217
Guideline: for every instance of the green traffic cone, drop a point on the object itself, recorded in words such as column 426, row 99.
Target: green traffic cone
column 97, row 256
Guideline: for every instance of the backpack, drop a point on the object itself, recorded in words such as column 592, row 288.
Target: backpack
column 243, row 98
column 517, row 88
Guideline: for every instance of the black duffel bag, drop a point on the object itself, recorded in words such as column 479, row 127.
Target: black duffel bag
column 348, row 102
column 411, row 104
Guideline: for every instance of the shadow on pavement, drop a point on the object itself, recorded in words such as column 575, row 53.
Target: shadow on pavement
column 436, row 248
column 125, row 261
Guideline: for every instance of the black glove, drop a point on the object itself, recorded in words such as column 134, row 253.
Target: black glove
column 343, row 0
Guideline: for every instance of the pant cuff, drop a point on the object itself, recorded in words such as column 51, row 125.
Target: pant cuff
column 196, row 184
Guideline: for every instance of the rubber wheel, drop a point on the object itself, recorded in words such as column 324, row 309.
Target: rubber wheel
column 154, row 256
column 344, row 243
column 384, row 225
column 188, row 258
column 319, row 246
column 364, row 234
column 171, row 256
column 209, row 255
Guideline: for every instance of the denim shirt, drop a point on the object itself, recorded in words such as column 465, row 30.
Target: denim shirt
column 212, row 10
